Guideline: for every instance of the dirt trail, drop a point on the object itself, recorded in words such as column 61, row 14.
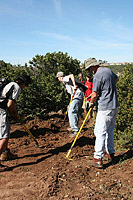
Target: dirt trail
column 46, row 174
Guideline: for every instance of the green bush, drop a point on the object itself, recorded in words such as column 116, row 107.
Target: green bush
column 124, row 127
column 46, row 93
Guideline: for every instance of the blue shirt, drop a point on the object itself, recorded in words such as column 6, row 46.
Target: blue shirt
column 104, row 84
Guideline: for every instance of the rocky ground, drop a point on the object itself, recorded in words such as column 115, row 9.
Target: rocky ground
column 46, row 174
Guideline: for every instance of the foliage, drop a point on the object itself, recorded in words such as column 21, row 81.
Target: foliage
column 123, row 131
column 45, row 94
column 116, row 68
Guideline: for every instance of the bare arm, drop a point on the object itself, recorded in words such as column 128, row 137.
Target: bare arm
column 94, row 96
column 89, row 96
column 116, row 80
column 71, row 76
column 11, row 108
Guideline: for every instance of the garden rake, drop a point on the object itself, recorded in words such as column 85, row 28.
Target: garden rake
column 67, row 156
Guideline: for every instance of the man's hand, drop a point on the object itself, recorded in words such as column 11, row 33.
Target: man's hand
column 75, row 87
column 91, row 105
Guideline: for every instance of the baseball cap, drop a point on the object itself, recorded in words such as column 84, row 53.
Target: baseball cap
column 59, row 74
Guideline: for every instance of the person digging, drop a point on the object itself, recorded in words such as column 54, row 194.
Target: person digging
column 8, row 99
column 76, row 103
column 104, row 88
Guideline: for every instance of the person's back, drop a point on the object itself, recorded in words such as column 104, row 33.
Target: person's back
column 10, row 91
column 104, row 84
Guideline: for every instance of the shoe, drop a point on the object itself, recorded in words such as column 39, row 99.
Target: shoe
column 109, row 157
column 7, row 155
column 69, row 129
column 98, row 163
column 73, row 134
column 3, row 167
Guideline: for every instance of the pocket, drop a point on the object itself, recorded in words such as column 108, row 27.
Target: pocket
column 3, row 118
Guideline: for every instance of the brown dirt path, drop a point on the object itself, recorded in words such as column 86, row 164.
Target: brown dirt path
column 46, row 174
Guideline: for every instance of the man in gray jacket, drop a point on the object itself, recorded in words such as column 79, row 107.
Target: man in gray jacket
column 104, row 89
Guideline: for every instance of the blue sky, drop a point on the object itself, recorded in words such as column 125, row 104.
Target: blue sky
column 83, row 28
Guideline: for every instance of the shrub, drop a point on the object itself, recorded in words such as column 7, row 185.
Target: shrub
column 46, row 93
column 123, row 130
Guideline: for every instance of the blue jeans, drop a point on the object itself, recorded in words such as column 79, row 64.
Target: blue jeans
column 74, row 113
column 104, row 127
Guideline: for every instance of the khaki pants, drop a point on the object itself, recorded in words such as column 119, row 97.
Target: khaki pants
column 4, row 125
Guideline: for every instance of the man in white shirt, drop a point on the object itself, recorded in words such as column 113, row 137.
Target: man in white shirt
column 8, row 99
column 76, row 104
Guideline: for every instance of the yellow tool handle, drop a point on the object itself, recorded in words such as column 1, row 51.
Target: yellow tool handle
column 78, row 132
column 70, row 101
column 30, row 133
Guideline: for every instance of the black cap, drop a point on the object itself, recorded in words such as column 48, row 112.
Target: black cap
column 89, row 75
column 24, row 78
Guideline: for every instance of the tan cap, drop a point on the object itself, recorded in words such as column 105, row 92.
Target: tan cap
column 91, row 62
column 59, row 74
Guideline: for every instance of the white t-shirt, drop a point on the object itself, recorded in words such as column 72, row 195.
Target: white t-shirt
column 70, row 89
column 15, row 91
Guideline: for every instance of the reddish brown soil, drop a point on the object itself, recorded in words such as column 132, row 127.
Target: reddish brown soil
column 45, row 173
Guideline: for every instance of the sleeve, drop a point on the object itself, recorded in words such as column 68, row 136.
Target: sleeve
column 15, row 93
column 12, row 91
column 115, row 76
column 66, row 79
column 96, row 85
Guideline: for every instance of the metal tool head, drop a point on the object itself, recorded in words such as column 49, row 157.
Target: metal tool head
column 69, row 158
column 66, row 157
column 39, row 145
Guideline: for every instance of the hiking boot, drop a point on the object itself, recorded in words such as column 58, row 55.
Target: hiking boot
column 3, row 167
column 73, row 134
column 69, row 129
column 98, row 163
column 7, row 155
column 109, row 157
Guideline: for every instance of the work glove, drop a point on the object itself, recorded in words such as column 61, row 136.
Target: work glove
column 20, row 119
column 91, row 105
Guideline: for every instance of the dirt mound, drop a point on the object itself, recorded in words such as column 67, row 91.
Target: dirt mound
column 45, row 173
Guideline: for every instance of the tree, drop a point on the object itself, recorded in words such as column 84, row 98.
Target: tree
column 46, row 93
column 124, row 127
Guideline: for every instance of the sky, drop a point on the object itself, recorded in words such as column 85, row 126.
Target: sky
column 102, row 29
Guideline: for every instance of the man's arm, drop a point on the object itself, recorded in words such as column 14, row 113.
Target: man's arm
column 71, row 76
column 116, row 80
column 11, row 108
column 89, row 96
column 94, row 96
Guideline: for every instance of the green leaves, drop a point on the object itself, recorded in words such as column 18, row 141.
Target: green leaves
column 46, row 93
column 125, row 98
